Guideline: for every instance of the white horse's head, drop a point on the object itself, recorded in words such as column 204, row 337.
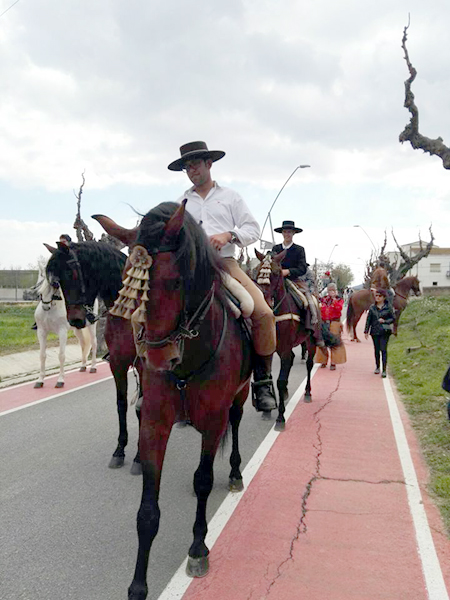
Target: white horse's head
column 49, row 293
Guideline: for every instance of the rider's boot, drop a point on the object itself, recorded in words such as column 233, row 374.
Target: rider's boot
column 263, row 392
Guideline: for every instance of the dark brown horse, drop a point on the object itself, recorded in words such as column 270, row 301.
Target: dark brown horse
column 85, row 271
column 197, row 363
column 291, row 330
column 361, row 300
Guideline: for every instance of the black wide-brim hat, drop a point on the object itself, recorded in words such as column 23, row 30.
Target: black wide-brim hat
column 193, row 150
column 288, row 225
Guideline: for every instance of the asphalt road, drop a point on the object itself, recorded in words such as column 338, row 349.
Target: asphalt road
column 68, row 523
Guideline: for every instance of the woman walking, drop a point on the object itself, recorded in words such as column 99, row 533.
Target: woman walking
column 379, row 324
column 330, row 310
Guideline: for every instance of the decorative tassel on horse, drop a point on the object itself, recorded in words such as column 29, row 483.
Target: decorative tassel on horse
column 265, row 271
column 135, row 286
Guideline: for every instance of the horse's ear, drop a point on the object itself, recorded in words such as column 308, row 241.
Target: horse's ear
column 279, row 257
column 259, row 255
column 175, row 223
column 51, row 249
column 126, row 236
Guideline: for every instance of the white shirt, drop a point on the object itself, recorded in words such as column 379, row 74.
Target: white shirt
column 223, row 210
column 287, row 247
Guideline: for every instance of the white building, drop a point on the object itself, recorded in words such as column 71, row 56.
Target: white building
column 433, row 271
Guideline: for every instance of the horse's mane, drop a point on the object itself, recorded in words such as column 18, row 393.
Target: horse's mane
column 200, row 265
column 43, row 286
column 101, row 264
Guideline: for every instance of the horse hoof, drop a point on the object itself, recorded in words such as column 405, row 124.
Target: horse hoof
column 59, row 384
column 93, row 370
column 136, row 468
column 266, row 415
column 39, row 384
column 82, row 369
column 236, row 485
column 308, row 398
column 116, row 462
column 137, row 591
column 280, row 426
column 197, row 567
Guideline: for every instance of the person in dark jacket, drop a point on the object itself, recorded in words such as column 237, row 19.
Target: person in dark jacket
column 379, row 324
column 295, row 268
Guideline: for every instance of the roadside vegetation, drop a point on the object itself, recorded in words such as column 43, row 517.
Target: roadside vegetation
column 16, row 334
column 418, row 359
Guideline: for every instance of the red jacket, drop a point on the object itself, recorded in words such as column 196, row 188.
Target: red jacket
column 331, row 308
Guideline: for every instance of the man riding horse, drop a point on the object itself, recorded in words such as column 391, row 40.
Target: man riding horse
column 228, row 223
column 295, row 269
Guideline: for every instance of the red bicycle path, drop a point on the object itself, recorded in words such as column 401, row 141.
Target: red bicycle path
column 327, row 515
column 24, row 394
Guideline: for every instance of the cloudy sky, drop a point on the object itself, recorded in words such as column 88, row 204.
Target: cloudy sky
column 113, row 88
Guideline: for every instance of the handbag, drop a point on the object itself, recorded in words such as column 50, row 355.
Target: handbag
column 387, row 327
column 446, row 381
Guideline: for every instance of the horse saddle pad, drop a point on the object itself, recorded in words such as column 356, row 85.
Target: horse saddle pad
column 240, row 301
column 299, row 297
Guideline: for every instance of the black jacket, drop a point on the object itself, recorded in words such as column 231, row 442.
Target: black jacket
column 373, row 326
column 295, row 260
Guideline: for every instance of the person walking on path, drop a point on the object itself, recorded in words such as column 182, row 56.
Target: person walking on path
column 228, row 222
column 331, row 309
column 379, row 324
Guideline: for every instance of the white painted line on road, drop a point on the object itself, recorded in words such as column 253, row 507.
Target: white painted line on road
column 434, row 580
column 179, row 583
column 81, row 387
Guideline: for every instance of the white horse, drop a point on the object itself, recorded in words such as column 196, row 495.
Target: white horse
column 51, row 316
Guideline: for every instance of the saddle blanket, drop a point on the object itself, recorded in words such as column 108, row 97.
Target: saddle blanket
column 246, row 303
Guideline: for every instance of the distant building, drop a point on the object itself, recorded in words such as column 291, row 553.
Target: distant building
column 433, row 271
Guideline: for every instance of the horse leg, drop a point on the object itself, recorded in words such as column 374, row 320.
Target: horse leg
column 136, row 467
column 198, row 562
column 93, row 338
column 149, row 513
column 62, row 356
column 120, row 377
column 236, row 410
column 79, row 334
column 309, row 368
column 282, row 385
column 304, row 351
column 42, row 337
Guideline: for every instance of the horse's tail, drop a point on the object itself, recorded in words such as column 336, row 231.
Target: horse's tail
column 331, row 340
column 350, row 316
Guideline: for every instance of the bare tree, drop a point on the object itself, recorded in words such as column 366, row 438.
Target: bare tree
column 84, row 234
column 411, row 132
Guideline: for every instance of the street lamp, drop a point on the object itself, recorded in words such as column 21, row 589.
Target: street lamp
column 268, row 218
column 329, row 258
column 368, row 236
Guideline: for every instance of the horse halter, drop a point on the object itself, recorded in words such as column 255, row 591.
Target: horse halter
column 55, row 296
column 136, row 287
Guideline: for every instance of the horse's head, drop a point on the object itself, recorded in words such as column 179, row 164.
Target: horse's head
column 415, row 286
column 269, row 276
column 48, row 294
column 168, row 285
column 63, row 271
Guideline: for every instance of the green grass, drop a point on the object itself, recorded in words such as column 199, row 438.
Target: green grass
column 16, row 334
column 418, row 359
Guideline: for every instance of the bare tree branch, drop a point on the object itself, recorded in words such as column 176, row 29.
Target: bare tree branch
column 82, row 230
column 411, row 132
column 408, row 262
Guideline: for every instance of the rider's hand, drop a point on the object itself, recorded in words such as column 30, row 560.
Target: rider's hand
column 219, row 240
column 366, row 335
column 381, row 320
column 285, row 272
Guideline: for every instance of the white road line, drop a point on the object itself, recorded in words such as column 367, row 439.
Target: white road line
column 81, row 387
column 179, row 583
column 434, row 580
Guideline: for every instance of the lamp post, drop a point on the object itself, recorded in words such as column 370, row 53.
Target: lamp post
column 368, row 237
column 268, row 218
column 329, row 258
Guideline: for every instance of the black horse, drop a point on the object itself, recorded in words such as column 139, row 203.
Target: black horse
column 85, row 271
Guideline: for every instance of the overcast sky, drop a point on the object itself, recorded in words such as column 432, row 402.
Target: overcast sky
column 113, row 88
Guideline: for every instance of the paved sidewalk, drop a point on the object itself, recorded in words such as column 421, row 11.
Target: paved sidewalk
column 25, row 366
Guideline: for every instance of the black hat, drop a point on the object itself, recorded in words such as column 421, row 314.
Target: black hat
column 193, row 149
column 288, row 225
